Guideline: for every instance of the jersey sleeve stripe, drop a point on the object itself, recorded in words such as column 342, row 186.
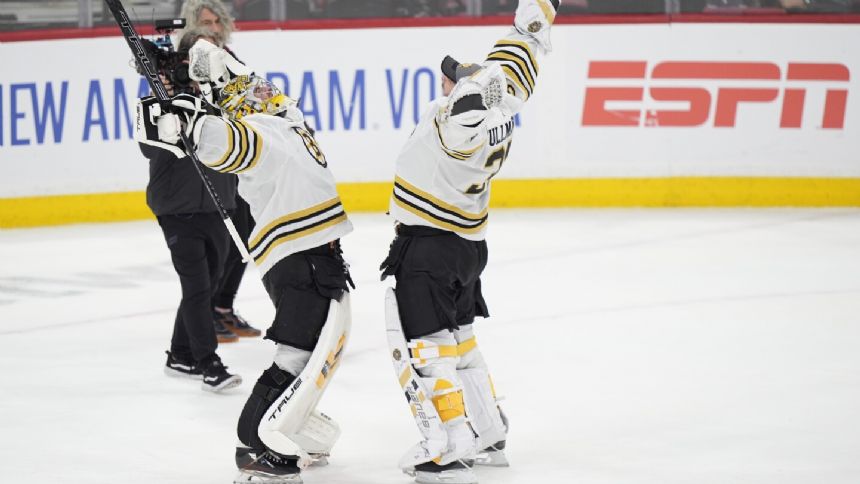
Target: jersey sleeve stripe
column 243, row 148
column 514, row 61
column 255, row 148
column 439, row 204
column 515, row 78
column 299, row 216
column 512, row 46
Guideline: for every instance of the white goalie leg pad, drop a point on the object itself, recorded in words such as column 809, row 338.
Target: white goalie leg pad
column 435, row 394
column 290, row 426
column 482, row 406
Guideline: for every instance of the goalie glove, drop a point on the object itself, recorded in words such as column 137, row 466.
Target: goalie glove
column 534, row 18
column 158, row 127
column 208, row 63
column 474, row 95
column 153, row 127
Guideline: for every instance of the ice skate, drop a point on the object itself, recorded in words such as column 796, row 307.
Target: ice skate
column 456, row 472
column 266, row 467
column 493, row 456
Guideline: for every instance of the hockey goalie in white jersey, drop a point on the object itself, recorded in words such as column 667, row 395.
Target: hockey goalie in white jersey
column 440, row 202
column 259, row 134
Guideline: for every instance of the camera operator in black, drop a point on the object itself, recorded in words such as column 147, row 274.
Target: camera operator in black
column 212, row 16
column 198, row 243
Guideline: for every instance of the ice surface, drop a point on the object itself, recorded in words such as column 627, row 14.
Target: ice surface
column 633, row 346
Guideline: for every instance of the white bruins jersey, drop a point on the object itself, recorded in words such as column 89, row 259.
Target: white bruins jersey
column 443, row 172
column 284, row 177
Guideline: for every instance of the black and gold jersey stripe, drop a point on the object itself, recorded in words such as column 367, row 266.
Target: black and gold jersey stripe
column 244, row 147
column 461, row 155
column 296, row 225
column 436, row 211
column 518, row 63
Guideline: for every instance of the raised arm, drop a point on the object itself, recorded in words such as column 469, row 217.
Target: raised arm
column 517, row 52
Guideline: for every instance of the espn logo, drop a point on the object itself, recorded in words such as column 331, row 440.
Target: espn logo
column 721, row 87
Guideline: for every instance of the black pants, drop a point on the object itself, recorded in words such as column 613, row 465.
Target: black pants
column 198, row 244
column 234, row 268
column 438, row 277
column 301, row 286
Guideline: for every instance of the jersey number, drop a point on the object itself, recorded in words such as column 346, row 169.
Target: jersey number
column 494, row 164
column 312, row 146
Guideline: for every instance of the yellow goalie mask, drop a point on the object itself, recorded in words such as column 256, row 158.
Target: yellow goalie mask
column 246, row 95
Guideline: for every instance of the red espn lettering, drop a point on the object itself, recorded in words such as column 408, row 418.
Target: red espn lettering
column 700, row 99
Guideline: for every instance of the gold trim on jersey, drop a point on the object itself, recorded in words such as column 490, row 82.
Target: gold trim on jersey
column 443, row 215
column 331, row 207
column 548, row 10
column 461, row 155
column 418, row 193
column 513, row 76
column 437, row 221
column 525, row 47
column 241, row 155
column 503, row 55
column 311, row 229
column 521, row 69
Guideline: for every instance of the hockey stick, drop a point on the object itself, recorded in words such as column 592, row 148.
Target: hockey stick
column 160, row 92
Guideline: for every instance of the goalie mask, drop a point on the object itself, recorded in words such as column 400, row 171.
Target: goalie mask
column 245, row 95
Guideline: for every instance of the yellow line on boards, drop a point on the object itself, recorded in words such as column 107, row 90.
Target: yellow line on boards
column 530, row 193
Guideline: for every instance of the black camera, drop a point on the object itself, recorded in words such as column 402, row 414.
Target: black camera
column 168, row 62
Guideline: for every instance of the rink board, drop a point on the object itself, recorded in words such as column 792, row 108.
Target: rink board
column 623, row 115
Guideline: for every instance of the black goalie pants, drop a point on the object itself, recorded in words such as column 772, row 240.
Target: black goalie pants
column 438, row 276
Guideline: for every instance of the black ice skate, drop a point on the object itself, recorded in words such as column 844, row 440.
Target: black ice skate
column 266, row 467
column 215, row 375
column 181, row 367
column 457, row 472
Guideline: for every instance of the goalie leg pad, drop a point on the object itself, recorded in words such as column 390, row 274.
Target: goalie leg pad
column 426, row 370
column 288, row 426
column 271, row 385
column 480, row 395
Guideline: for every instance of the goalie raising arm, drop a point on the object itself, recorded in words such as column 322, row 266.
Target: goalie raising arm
column 440, row 202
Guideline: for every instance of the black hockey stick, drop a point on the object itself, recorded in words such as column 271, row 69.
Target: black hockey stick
column 148, row 70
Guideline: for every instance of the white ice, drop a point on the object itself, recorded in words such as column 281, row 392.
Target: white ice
column 633, row 346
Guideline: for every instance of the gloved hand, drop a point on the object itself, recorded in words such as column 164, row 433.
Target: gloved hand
column 534, row 18
column 160, row 126
column 208, row 63
column 154, row 127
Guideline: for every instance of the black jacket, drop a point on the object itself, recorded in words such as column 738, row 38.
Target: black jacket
column 175, row 186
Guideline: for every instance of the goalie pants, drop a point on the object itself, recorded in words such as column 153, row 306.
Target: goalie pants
column 438, row 276
column 301, row 286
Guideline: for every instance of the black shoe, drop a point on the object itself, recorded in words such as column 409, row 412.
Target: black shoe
column 215, row 375
column 223, row 334
column 266, row 466
column 181, row 367
column 237, row 324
